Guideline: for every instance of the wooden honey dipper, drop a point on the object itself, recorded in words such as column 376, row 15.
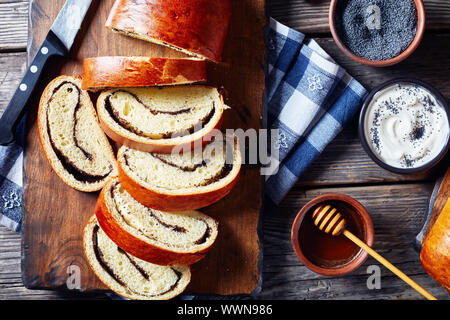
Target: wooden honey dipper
column 330, row 221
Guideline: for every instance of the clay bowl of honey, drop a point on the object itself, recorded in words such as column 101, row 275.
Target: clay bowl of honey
column 326, row 254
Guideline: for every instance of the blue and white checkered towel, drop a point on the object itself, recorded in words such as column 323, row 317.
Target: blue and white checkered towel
column 309, row 100
column 11, row 184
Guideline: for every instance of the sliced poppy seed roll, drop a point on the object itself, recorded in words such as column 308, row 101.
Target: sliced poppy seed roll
column 160, row 119
column 71, row 137
column 102, row 73
column 163, row 238
column 184, row 181
column 127, row 275
column 194, row 27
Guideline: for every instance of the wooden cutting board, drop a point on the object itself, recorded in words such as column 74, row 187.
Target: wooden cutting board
column 55, row 214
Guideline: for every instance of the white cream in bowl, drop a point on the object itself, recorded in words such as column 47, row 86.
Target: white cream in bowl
column 406, row 126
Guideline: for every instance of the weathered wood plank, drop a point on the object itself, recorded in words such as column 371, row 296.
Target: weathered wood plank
column 11, row 286
column 12, row 68
column 428, row 63
column 312, row 16
column 13, row 25
column 398, row 213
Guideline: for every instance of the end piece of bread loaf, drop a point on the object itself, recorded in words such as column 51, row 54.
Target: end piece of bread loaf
column 120, row 72
column 71, row 137
column 158, row 119
column 195, row 27
column 129, row 276
column 435, row 253
column 181, row 182
column 162, row 238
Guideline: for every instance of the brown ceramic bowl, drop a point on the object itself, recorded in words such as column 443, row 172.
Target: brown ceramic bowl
column 382, row 63
column 331, row 255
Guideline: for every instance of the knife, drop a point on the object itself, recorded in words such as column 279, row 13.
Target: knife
column 58, row 42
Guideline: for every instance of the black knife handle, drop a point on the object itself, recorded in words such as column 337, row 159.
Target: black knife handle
column 15, row 110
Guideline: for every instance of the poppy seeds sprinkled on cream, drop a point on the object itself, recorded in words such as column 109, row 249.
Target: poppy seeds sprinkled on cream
column 406, row 126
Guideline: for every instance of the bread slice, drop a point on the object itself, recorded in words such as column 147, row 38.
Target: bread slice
column 162, row 238
column 181, row 182
column 160, row 119
column 71, row 137
column 194, row 27
column 129, row 276
column 435, row 253
column 120, row 72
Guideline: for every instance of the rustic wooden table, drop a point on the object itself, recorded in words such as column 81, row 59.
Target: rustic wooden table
column 397, row 203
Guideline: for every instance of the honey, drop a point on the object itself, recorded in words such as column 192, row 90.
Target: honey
column 325, row 250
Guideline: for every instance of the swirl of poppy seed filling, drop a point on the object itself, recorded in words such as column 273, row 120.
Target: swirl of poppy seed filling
column 122, row 115
column 188, row 170
column 108, row 263
column 177, row 230
column 69, row 165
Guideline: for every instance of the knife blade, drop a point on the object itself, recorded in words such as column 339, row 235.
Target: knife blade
column 69, row 21
column 58, row 42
